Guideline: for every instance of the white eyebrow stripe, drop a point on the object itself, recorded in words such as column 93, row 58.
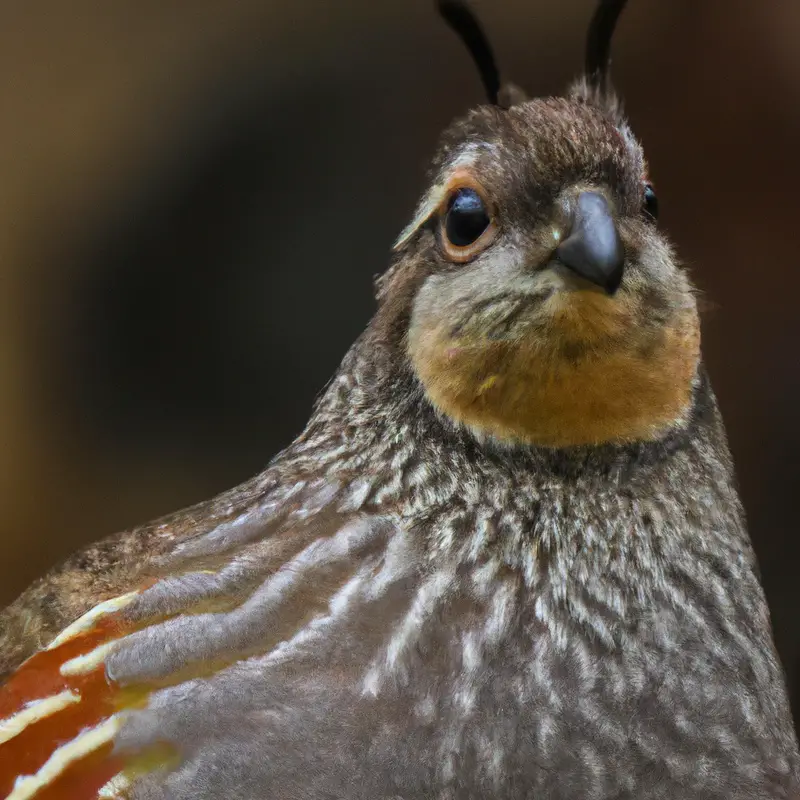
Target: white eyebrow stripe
column 428, row 205
column 434, row 196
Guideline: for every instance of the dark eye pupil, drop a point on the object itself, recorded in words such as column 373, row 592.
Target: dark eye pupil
column 650, row 202
column 466, row 219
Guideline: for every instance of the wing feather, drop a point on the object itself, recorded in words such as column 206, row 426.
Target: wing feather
column 253, row 600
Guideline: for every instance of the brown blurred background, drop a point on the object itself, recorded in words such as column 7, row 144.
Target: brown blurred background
column 194, row 198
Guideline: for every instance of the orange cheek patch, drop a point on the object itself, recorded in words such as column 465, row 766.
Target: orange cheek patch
column 623, row 383
column 591, row 316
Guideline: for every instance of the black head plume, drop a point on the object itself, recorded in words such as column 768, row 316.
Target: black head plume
column 598, row 42
column 460, row 18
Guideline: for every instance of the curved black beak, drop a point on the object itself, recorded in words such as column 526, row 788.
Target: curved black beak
column 593, row 248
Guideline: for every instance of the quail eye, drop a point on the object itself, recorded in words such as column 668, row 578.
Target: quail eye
column 650, row 207
column 466, row 219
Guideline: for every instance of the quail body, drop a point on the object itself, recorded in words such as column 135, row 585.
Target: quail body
column 505, row 559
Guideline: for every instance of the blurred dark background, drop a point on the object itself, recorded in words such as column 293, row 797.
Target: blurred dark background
column 194, row 198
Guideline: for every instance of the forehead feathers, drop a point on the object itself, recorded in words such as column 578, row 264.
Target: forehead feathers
column 534, row 150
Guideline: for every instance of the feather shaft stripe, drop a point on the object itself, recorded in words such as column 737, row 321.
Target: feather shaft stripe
column 114, row 788
column 40, row 676
column 88, row 662
column 88, row 620
column 83, row 745
column 35, row 711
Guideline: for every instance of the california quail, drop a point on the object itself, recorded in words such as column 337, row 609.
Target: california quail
column 506, row 557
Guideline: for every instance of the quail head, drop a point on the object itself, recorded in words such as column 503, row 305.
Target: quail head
column 505, row 559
